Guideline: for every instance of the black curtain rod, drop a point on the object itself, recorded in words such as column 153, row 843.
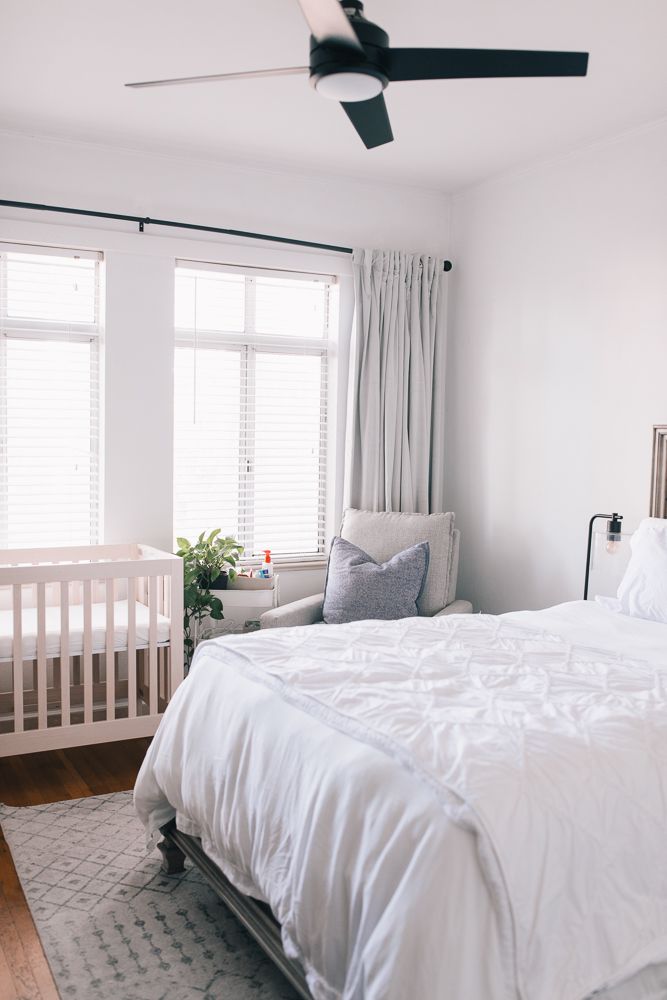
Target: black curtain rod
column 144, row 221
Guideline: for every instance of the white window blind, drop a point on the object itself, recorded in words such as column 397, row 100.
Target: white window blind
column 251, row 407
column 49, row 396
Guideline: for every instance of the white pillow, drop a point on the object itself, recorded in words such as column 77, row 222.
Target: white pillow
column 642, row 592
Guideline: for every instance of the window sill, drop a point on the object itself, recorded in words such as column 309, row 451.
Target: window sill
column 284, row 567
column 313, row 564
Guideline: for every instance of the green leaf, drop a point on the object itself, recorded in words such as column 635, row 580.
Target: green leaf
column 203, row 561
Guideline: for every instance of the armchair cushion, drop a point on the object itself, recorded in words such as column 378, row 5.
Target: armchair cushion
column 358, row 588
column 383, row 534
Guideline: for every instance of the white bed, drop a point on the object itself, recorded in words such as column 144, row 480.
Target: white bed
column 445, row 808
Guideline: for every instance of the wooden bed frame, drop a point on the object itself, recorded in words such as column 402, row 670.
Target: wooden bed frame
column 256, row 917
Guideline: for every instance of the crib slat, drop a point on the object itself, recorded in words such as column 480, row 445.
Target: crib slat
column 64, row 654
column 132, row 647
column 110, row 661
column 152, row 644
column 176, row 666
column 41, row 656
column 87, row 651
column 17, row 605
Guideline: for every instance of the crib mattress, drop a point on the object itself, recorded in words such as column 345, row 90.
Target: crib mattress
column 99, row 622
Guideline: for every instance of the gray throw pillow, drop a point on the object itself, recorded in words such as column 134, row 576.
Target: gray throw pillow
column 358, row 588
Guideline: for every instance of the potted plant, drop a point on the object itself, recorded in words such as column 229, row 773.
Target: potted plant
column 208, row 563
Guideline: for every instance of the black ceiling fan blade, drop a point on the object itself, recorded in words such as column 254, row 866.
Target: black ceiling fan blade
column 457, row 64
column 371, row 120
column 328, row 22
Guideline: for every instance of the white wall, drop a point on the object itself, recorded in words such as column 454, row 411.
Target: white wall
column 557, row 363
column 320, row 207
column 139, row 313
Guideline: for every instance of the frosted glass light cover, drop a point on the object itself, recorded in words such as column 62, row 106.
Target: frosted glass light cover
column 349, row 86
column 607, row 567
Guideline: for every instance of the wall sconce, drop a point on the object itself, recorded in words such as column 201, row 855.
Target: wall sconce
column 613, row 541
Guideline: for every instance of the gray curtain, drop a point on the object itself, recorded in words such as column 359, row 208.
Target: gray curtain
column 395, row 433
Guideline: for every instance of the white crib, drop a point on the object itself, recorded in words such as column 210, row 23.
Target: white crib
column 91, row 644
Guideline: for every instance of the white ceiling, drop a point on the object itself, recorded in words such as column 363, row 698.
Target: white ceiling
column 63, row 65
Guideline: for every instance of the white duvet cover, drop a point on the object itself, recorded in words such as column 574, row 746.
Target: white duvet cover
column 463, row 807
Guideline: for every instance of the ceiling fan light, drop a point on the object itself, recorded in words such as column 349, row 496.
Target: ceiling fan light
column 349, row 86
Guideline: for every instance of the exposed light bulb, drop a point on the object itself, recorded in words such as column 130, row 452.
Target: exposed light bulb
column 614, row 528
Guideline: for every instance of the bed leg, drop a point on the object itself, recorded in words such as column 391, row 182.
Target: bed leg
column 173, row 859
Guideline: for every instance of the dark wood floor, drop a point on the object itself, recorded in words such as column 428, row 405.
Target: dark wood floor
column 31, row 780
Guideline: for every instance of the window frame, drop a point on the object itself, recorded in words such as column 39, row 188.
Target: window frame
column 55, row 331
column 247, row 343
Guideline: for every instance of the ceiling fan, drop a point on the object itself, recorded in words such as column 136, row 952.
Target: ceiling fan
column 351, row 62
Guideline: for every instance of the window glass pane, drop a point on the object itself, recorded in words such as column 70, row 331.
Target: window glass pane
column 49, row 399
column 51, row 418
column 55, row 289
column 210, row 300
column 207, row 428
column 289, row 500
column 290, row 308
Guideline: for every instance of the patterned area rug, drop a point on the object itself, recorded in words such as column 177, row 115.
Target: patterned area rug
column 113, row 926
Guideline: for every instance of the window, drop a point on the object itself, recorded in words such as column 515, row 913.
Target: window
column 251, row 407
column 49, row 397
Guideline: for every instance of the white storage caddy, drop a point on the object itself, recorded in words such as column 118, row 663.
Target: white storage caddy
column 91, row 644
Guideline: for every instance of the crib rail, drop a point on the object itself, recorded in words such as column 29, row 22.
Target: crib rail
column 96, row 645
column 76, row 553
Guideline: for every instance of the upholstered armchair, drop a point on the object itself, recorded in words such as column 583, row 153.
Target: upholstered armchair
column 382, row 535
